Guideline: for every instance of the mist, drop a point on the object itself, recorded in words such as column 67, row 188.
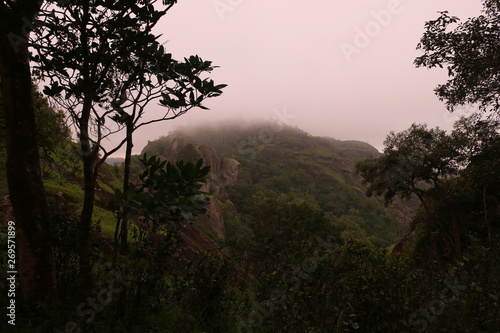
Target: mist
column 332, row 68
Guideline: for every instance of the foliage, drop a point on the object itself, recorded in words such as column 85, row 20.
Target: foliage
column 209, row 293
column 284, row 230
column 100, row 59
column 441, row 169
column 51, row 124
column 413, row 160
column 114, row 62
column 51, row 131
column 345, row 285
column 418, row 158
column 466, row 206
column 469, row 50
column 166, row 192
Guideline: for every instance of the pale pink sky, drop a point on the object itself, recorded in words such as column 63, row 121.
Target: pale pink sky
column 334, row 68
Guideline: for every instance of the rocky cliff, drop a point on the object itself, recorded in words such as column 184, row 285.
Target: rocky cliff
column 223, row 171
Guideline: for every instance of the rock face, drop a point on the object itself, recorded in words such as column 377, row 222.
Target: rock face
column 230, row 170
column 223, row 171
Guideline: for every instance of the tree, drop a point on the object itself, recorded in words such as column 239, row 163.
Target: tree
column 413, row 161
column 27, row 195
column 148, row 82
column 285, row 228
column 434, row 166
column 471, row 53
column 97, row 55
column 51, row 131
column 419, row 158
column 166, row 193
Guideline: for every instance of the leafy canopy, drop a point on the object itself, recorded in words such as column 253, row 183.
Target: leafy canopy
column 101, row 57
column 470, row 51
column 166, row 192
column 419, row 158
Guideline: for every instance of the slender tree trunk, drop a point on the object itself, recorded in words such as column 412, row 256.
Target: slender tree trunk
column 84, row 228
column 27, row 195
column 116, row 239
column 126, row 185
column 89, row 157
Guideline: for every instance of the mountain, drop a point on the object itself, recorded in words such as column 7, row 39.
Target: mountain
column 261, row 159
column 114, row 160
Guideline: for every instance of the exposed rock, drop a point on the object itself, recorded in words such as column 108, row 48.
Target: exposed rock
column 230, row 169
column 213, row 221
column 223, row 171
column 178, row 144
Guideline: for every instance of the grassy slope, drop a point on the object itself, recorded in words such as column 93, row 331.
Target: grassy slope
column 63, row 181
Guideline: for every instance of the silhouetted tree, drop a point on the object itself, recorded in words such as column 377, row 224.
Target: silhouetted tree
column 27, row 195
column 413, row 161
column 470, row 52
column 94, row 53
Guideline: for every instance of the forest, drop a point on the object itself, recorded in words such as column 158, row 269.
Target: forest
column 234, row 226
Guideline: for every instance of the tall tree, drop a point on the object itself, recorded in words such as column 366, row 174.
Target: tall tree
column 470, row 51
column 419, row 158
column 27, row 195
column 155, row 76
column 414, row 160
column 431, row 164
column 95, row 53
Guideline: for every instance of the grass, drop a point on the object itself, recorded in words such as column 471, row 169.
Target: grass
column 75, row 194
column 72, row 192
column 106, row 219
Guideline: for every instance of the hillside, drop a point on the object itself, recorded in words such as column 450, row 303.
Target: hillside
column 275, row 161
column 288, row 232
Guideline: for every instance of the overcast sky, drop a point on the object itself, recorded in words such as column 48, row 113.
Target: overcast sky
column 334, row 68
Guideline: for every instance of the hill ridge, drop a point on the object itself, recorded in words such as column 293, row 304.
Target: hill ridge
column 283, row 160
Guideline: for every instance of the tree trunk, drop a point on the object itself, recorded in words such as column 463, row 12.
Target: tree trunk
column 84, row 228
column 126, row 185
column 89, row 157
column 27, row 195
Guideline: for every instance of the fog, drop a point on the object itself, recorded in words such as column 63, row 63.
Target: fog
column 334, row 68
